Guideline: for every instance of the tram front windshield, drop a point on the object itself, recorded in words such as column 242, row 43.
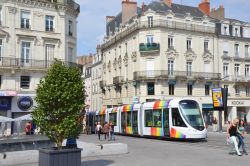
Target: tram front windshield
column 191, row 112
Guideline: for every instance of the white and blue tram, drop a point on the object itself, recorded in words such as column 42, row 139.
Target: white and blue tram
column 175, row 118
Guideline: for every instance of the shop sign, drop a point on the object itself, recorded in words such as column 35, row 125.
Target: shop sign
column 25, row 103
column 237, row 102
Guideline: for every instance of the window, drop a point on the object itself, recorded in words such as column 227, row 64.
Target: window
column 150, row 21
column 25, row 82
column 151, row 88
column 150, row 39
column 236, row 46
column 1, row 19
column 25, row 55
column 153, row 118
column 247, row 90
column 171, row 89
column 237, row 90
column 157, row 118
column 49, row 53
column 189, row 68
column 225, row 48
column 225, row 69
column 236, row 31
column 170, row 42
column 70, row 28
column 189, row 89
column 236, row 69
column 205, row 45
column 170, row 67
column 70, row 54
column 177, row 119
column 129, row 119
column 49, row 23
column 1, row 49
column 246, row 50
column 148, row 118
column 207, row 90
column 25, row 19
column 247, row 71
column 225, row 30
column 189, row 44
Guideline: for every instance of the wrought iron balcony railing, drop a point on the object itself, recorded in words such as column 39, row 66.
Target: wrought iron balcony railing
column 149, row 47
column 166, row 74
column 7, row 62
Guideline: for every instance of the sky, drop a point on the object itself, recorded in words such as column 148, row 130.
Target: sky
column 92, row 18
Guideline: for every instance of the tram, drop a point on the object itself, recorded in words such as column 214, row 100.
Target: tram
column 175, row 118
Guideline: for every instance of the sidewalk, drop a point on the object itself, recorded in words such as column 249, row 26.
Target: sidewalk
column 30, row 157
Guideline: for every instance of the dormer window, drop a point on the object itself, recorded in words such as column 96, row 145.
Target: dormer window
column 150, row 21
column 225, row 30
column 236, row 31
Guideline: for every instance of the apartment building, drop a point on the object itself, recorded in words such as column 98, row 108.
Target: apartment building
column 165, row 50
column 32, row 34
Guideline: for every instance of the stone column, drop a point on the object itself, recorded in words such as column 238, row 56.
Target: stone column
column 233, row 113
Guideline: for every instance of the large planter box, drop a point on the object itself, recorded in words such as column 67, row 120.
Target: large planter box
column 64, row 157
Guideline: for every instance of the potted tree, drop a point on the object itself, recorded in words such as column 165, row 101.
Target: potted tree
column 60, row 101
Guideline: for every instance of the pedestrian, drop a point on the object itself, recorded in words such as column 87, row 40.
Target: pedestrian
column 106, row 130
column 241, row 135
column 96, row 127
column 111, row 131
column 4, row 155
column 214, row 122
column 99, row 130
column 232, row 135
column 28, row 128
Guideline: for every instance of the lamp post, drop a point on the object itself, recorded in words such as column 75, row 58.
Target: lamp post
column 224, row 92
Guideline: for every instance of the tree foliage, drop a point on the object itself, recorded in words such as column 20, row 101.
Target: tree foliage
column 60, row 100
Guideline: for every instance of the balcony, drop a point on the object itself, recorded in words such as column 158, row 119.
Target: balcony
column 149, row 47
column 240, row 78
column 6, row 62
column 165, row 74
column 118, row 80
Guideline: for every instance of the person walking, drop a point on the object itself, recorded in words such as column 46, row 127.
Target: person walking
column 241, row 135
column 99, row 130
column 106, row 130
column 232, row 135
column 111, row 131
column 214, row 122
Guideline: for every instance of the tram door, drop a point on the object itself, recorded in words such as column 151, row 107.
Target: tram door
column 123, row 122
column 166, row 122
column 135, row 122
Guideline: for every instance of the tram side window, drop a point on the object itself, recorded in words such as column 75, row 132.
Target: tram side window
column 113, row 118
column 148, row 118
column 157, row 118
column 129, row 120
column 176, row 118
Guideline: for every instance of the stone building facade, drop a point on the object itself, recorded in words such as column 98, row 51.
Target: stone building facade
column 32, row 34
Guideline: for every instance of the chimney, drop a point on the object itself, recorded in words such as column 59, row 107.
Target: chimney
column 218, row 13
column 109, row 18
column 142, row 8
column 129, row 10
column 204, row 6
column 168, row 2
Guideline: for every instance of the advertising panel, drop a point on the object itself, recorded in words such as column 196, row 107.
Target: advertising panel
column 217, row 98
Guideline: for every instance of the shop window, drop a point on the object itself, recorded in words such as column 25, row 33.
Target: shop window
column 189, row 89
column 25, row 82
column 176, row 118
column 148, row 118
column 207, row 90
